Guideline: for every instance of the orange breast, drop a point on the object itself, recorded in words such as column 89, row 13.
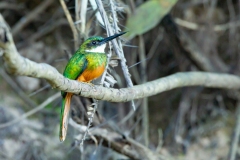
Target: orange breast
column 89, row 75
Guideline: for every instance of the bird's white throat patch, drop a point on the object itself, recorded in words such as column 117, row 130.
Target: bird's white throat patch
column 99, row 49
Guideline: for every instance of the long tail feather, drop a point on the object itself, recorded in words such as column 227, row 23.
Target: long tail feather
column 64, row 116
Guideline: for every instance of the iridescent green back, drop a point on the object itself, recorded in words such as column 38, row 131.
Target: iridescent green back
column 76, row 65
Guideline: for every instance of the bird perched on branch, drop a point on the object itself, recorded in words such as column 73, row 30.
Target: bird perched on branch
column 87, row 64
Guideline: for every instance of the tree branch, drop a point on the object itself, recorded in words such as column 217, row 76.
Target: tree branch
column 125, row 145
column 31, row 16
column 18, row 65
column 71, row 23
column 116, row 44
column 235, row 137
column 120, row 143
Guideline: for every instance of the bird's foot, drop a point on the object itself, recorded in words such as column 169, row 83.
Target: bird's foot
column 89, row 83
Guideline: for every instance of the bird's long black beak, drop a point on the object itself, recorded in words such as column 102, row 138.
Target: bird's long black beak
column 105, row 40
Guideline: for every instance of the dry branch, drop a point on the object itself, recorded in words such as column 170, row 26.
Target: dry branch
column 235, row 137
column 31, row 112
column 117, row 46
column 18, row 65
column 71, row 23
column 17, row 89
column 120, row 143
column 125, row 145
column 31, row 16
column 216, row 28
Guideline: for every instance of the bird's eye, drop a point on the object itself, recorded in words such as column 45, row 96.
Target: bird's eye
column 94, row 42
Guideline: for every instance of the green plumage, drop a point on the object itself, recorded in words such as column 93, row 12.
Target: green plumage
column 76, row 65
column 88, row 63
column 82, row 61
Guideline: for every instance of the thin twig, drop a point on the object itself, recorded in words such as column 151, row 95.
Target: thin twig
column 138, row 63
column 195, row 53
column 17, row 90
column 77, row 14
column 10, row 5
column 39, row 90
column 216, row 28
column 30, row 16
column 235, row 138
column 89, row 123
column 116, row 46
column 71, row 23
column 123, row 60
column 143, row 73
column 83, row 15
column 45, row 29
column 31, row 112
column 97, row 14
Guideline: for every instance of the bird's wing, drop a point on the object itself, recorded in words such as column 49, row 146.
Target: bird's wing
column 75, row 67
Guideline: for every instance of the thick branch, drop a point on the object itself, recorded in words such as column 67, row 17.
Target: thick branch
column 18, row 65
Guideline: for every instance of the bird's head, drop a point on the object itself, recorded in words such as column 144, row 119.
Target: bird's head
column 97, row 43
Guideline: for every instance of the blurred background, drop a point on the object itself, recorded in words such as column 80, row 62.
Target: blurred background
column 172, row 36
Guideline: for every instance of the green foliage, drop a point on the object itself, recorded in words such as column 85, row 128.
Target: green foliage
column 147, row 16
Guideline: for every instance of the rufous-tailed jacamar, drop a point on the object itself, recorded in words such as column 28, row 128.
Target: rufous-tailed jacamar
column 87, row 64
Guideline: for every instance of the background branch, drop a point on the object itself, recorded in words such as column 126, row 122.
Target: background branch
column 71, row 23
column 120, row 143
column 235, row 136
column 31, row 16
column 116, row 44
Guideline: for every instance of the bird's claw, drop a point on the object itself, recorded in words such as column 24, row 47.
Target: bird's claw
column 89, row 83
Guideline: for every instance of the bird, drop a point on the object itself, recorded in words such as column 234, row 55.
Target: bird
column 88, row 63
